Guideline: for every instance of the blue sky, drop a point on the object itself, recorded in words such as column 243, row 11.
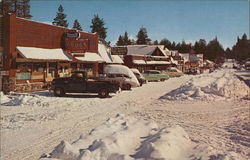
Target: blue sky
column 176, row 20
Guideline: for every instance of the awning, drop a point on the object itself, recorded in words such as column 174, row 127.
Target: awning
column 117, row 59
column 104, row 53
column 43, row 53
column 139, row 62
column 90, row 57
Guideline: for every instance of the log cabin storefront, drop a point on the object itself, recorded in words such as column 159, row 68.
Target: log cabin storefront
column 34, row 53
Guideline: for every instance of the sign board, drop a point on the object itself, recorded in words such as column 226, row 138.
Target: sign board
column 76, row 45
column 119, row 50
column 73, row 35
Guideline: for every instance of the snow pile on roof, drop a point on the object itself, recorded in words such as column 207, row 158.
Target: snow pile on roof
column 127, row 138
column 104, row 53
column 217, row 85
column 43, row 54
column 144, row 50
column 121, row 69
column 4, row 98
column 90, row 57
column 117, row 59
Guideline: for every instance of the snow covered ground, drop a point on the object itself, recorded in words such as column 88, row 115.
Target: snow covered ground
column 190, row 117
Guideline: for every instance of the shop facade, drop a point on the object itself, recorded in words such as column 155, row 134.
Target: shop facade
column 35, row 53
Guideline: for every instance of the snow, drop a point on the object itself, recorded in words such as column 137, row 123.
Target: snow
column 214, row 86
column 121, row 69
column 117, row 59
column 43, row 54
column 128, row 138
column 90, row 57
column 157, row 62
column 104, row 53
column 139, row 62
column 146, row 127
column 3, row 98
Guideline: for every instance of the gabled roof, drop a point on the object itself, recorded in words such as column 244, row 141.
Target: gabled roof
column 43, row 53
column 104, row 53
column 189, row 57
column 142, row 50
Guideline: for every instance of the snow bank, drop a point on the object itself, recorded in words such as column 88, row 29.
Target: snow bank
column 27, row 100
column 127, row 138
column 3, row 98
column 217, row 85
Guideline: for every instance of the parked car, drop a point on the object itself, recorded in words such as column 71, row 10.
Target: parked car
column 80, row 83
column 193, row 71
column 139, row 76
column 123, row 80
column 121, row 74
column 155, row 75
column 173, row 72
column 247, row 65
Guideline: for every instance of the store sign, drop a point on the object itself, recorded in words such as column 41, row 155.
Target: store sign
column 76, row 46
column 73, row 35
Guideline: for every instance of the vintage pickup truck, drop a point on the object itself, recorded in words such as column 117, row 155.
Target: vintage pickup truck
column 80, row 83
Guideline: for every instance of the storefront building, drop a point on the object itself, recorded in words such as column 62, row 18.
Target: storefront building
column 34, row 53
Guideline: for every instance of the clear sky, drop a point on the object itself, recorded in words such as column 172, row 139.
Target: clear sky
column 176, row 20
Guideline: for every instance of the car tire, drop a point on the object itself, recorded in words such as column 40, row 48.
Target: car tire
column 162, row 79
column 103, row 93
column 59, row 92
column 126, row 87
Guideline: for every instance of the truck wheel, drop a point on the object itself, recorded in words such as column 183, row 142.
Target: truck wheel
column 162, row 79
column 103, row 93
column 126, row 86
column 59, row 92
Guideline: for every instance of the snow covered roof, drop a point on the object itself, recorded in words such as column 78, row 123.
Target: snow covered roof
column 90, row 57
column 157, row 62
column 117, row 59
column 43, row 54
column 140, row 50
column 139, row 62
column 173, row 61
column 104, row 53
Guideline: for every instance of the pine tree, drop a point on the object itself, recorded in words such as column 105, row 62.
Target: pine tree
column 120, row 41
column 126, row 40
column 200, row 46
column 241, row 50
column 60, row 19
column 142, row 36
column 20, row 7
column 77, row 25
column 214, row 50
column 98, row 26
column 166, row 43
column 156, row 42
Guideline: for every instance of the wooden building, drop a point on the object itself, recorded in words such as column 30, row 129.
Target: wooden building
column 34, row 53
column 143, row 57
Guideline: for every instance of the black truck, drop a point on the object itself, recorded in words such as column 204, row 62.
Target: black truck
column 80, row 83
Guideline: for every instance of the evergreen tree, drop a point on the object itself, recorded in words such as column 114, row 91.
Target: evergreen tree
column 20, row 7
column 214, row 50
column 241, row 50
column 126, row 40
column 98, row 26
column 120, row 41
column 200, row 46
column 156, row 42
column 77, row 25
column 142, row 36
column 60, row 19
column 166, row 43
